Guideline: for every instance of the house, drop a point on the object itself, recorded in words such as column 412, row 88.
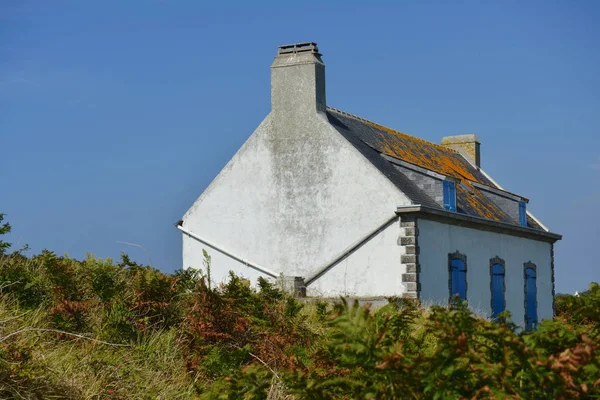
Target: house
column 337, row 205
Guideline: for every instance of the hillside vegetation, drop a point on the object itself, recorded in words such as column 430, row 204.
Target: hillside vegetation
column 98, row 329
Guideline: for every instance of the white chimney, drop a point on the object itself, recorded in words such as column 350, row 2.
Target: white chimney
column 298, row 79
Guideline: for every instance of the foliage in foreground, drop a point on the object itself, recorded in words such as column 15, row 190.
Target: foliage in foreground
column 95, row 329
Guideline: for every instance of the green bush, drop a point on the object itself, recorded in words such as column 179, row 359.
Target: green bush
column 95, row 329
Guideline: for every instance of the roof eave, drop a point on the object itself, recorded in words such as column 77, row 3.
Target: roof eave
column 478, row 222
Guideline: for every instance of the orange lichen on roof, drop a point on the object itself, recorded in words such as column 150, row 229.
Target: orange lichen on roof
column 478, row 203
column 423, row 153
column 445, row 161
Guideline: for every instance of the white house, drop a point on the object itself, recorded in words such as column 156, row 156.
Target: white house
column 342, row 206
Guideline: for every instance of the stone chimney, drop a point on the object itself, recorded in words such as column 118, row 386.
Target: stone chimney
column 466, row 145
column 298, row 79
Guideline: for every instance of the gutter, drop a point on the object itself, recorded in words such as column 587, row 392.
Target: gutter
column 227, row 252
column 502, row 227
column 346, row 252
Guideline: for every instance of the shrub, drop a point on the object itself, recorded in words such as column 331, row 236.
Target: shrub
column 96, row 329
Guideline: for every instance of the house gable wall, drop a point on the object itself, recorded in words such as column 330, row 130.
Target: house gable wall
column 295, row 195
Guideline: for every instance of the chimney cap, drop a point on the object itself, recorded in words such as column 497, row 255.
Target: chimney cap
column 304, row 47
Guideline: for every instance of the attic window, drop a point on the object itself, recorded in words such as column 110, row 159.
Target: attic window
column 522, row 213
column 449, row 195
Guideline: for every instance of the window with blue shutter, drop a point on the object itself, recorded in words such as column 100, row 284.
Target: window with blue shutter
column 458, row 276
column 497, row 285
column 530, row 297
column 449, row 195
column 522, row 213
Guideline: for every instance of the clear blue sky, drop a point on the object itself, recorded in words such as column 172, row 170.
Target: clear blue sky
column 115, row 115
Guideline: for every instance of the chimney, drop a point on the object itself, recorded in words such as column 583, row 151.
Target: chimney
column 466, row 145
column 298, row 79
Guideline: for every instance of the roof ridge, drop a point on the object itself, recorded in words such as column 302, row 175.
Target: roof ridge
column 439, row 146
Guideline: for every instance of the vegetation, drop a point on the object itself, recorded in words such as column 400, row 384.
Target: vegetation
column 97, row 329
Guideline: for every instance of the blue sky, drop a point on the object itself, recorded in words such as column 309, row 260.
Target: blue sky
column 116, row 115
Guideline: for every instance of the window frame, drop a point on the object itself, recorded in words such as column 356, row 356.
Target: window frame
column 497, row 261
column 457, row 256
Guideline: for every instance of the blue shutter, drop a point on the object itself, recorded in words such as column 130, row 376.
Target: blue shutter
column 458, row 278
column 449, row 195
column 446, row 195
column 497, row 290
column 522, row 213
column 530, row 299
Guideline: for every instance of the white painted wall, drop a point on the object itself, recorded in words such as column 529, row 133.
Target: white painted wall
column 372, row 270
column 291, row 201
column 437, row 240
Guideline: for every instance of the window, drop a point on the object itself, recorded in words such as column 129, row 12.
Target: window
column 498, row 288
column 522, row 213
column 457, row 269
column 449, row 195
column 530, row 296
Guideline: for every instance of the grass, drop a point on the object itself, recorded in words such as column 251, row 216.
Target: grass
column 58, row 366
column 98, row 330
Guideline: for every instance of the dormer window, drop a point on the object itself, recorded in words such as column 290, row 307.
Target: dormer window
column 522, row 213
column 449, row 195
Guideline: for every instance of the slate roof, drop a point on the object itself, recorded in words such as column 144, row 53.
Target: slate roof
column 374, row 140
